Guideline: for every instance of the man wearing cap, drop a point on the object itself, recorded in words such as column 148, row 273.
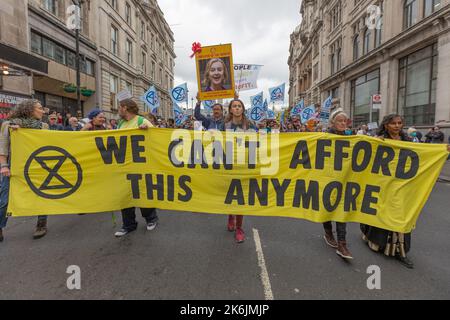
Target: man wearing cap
column 53, row 123
column 128, row 111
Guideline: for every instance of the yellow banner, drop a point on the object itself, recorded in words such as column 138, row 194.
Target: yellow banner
column 313, row 176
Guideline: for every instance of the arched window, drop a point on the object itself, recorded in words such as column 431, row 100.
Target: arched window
column 367, row 36
column 356, row 47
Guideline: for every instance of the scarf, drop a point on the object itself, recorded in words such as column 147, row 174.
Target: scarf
column 30, row 123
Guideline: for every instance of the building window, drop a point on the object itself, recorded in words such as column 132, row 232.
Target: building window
column 356, row 47
column 114, row 39
column 113, row 87
column 411, row 13
column 114, row 4
column 87, row 66
column 431, row 6
column 143, row 30
column 128, row 13
column 367, row 37
column 417, row 86
column 36, row 43
column 50, row 6
column 379, row 28
column 316, row 47
column 362, row 90
column 129, row 87
column 60, row 54
column 52, row 50
column 144, row 62
column 48, row 48
column 334, row 93
column 316, row 71
column 336, row 56
column 71, row 59
column 129, row 50
column 153, row 70
column 336, row 14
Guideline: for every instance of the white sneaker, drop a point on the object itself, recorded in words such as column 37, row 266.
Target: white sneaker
column 121, row 233
column 151, row 226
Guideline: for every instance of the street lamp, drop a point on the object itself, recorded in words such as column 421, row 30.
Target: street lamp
column 77, row 27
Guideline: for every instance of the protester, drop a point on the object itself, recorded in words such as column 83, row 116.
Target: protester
column 391, row 243
column 338, row 121
column 263, row 127
column 216, row 76
column 73, row 125
column 363, row 131
column 216, row 122
column 96, row 122
column 113, row 124
column 53, row 123
column 66, row 119
column 128, row 111
column 28, row 114
column 435, row 135
column 60, row 119
column 412, row 134
column 236, row 120
column 152, row 119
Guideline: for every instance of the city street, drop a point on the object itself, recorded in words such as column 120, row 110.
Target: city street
column 192, row 256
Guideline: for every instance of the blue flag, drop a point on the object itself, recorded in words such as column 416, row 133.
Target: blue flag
column 270, row 115
column 208, row 105
column 257, row 113
column 307, row 113
column 325, row 110
column 150, row 98
column 266, row 105
column 178, row 115
column 282, row 119
column 297, row 110
column 257, row 101
column 277, row 93
column 179, row 94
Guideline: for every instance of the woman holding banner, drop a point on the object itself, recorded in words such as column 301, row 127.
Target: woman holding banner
column 28, row 114
column 97, row 121
column 236, row 120
column 338, row 121
column 393, row 244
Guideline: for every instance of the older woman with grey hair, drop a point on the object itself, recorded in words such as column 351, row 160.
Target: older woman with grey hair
column 28, row 114
column 338, row 125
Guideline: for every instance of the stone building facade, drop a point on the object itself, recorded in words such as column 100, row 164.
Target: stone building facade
column 135, row 50
column 403, row 55
column 124, row 44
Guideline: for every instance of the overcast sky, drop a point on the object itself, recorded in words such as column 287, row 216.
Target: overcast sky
column 259, row 31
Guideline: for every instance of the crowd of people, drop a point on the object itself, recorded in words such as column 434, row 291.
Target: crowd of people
column 31, row 114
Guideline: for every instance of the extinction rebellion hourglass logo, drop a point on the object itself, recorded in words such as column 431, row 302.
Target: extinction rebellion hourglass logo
column 53, row 173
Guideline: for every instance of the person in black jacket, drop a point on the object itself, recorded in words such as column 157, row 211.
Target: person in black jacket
column 216, row 122
column 73, row 125
column 394, row 244
column 435, row 135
